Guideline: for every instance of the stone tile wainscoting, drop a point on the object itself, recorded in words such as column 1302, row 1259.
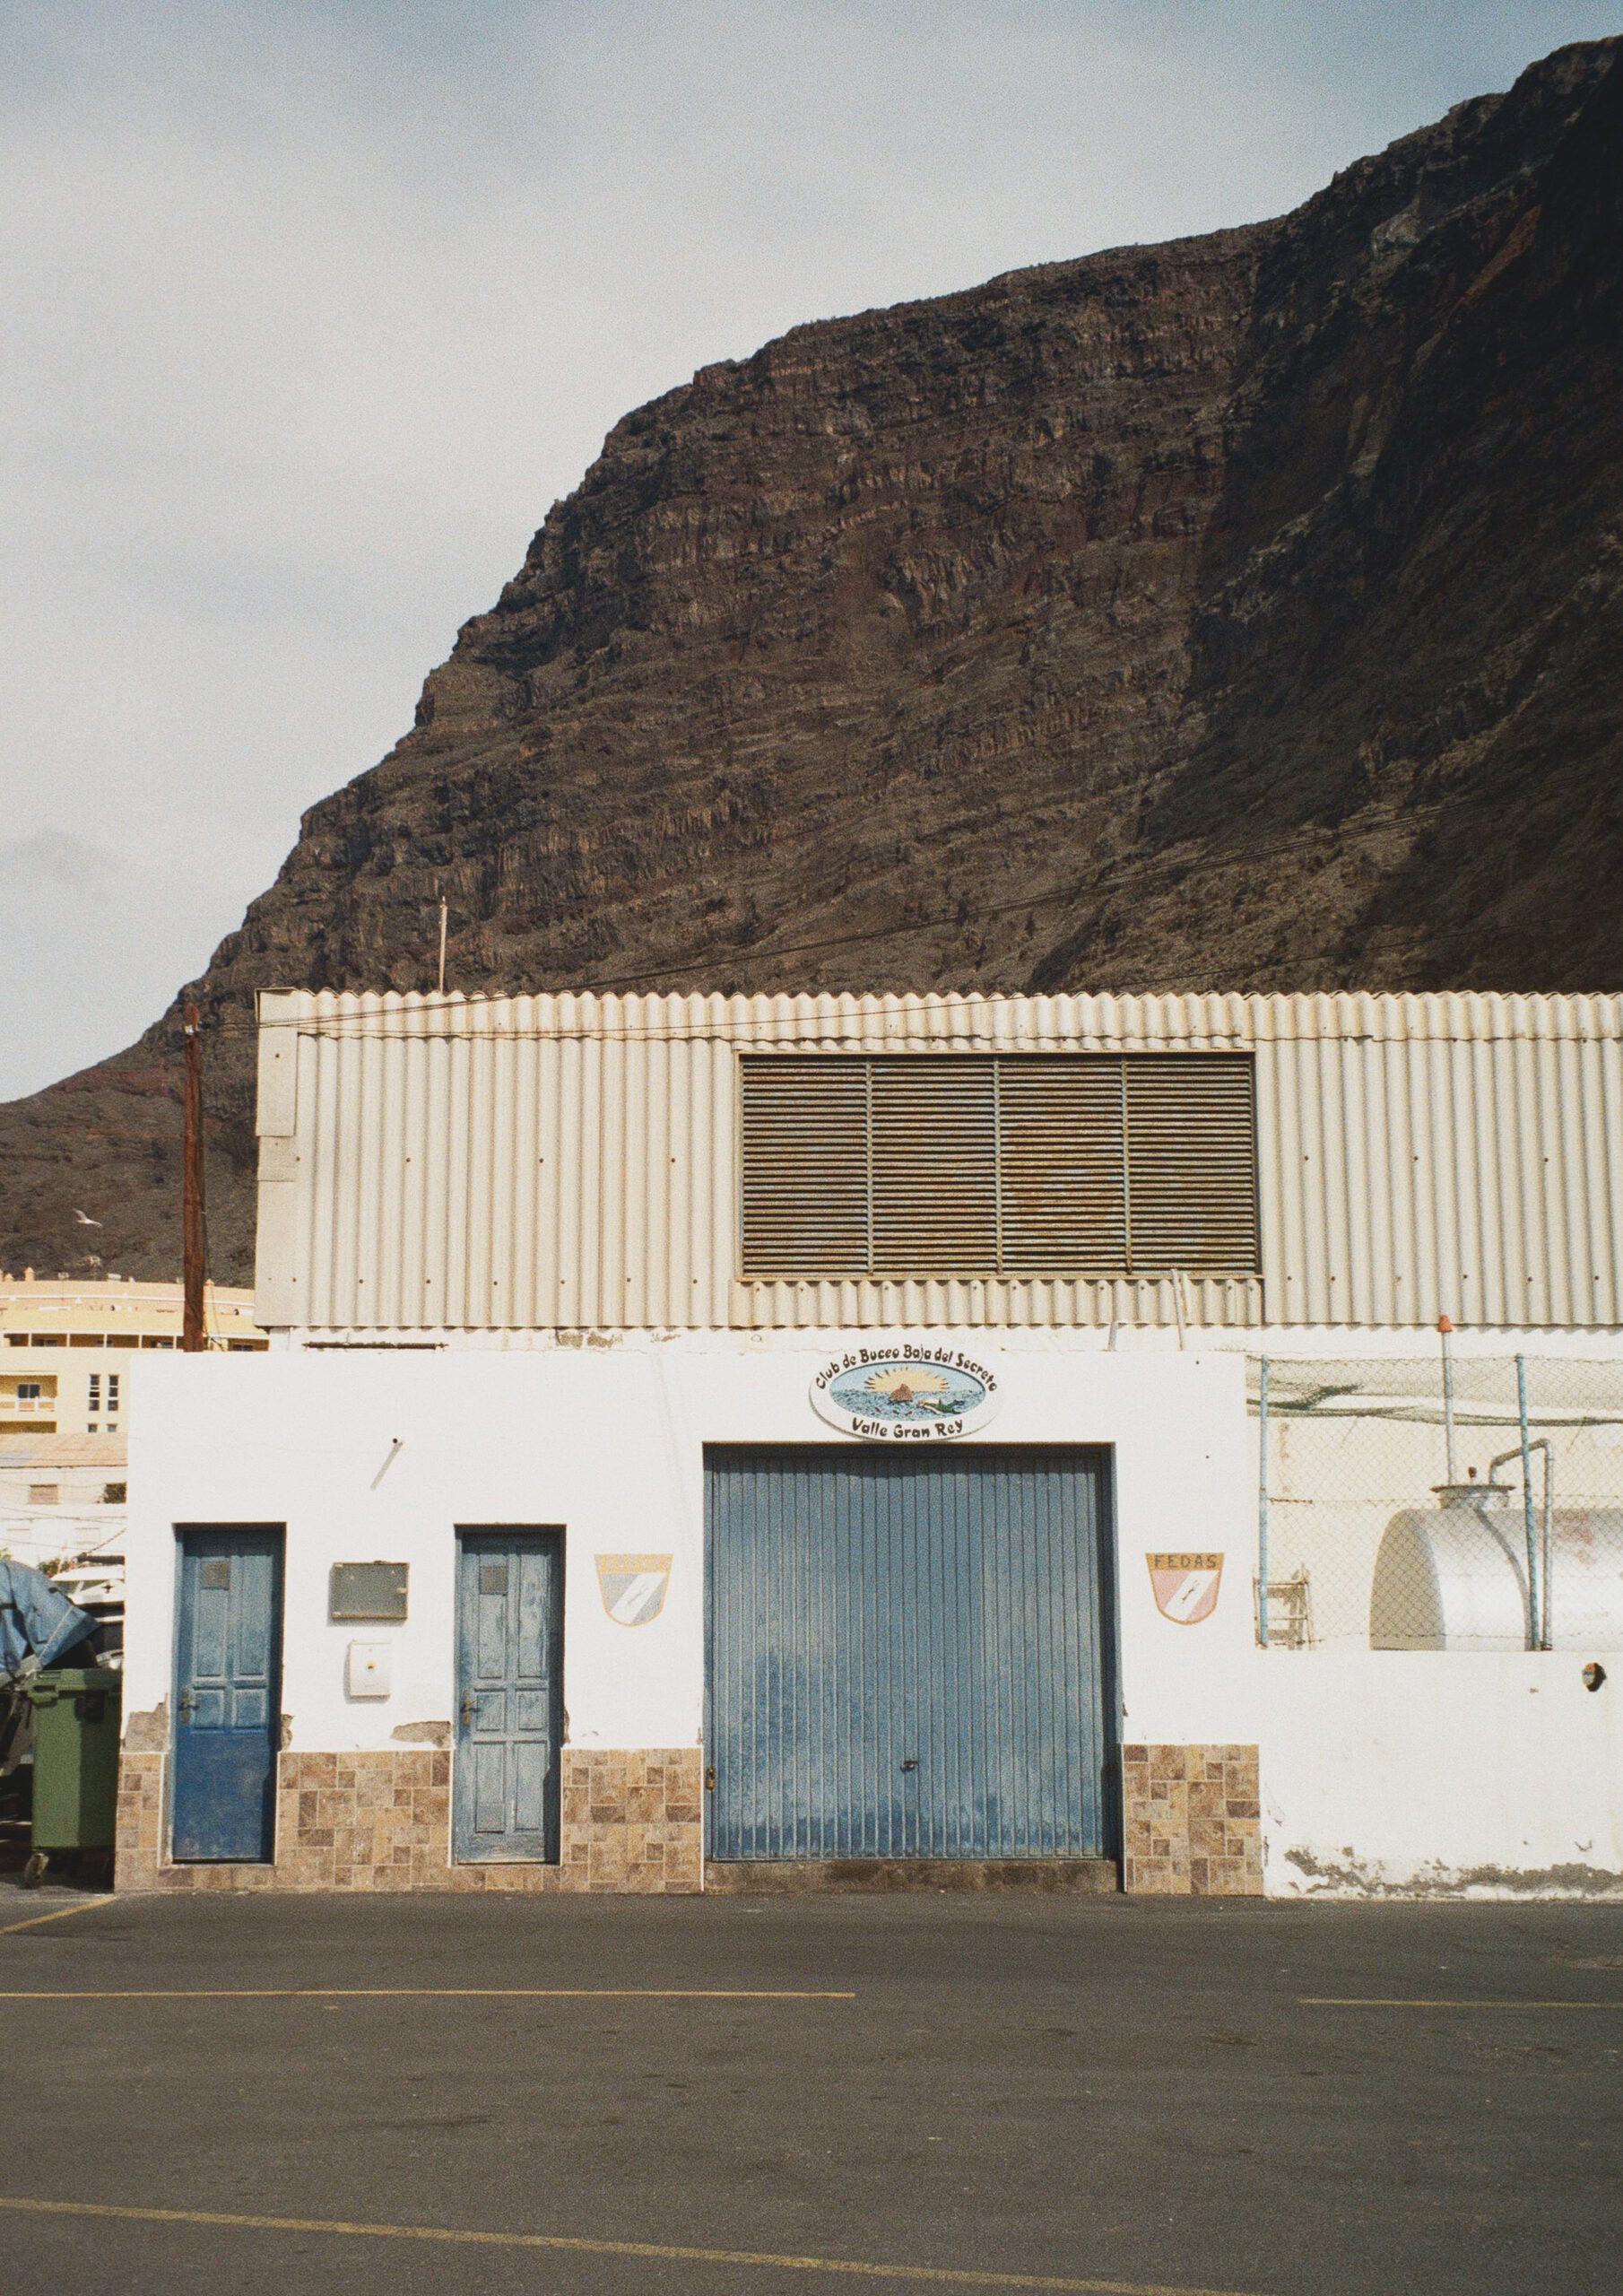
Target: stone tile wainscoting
column 382, row 1821
column 1191, row 1822
column 630, row 1820
column 138, row 1820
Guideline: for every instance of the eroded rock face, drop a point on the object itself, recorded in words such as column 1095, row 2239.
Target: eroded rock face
column 1241, row 613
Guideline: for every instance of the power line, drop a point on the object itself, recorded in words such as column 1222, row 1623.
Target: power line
column 701, row 958
column 1260, row 851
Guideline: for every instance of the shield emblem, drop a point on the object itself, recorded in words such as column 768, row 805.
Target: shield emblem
column 633, row 1586
column 1185, row 1586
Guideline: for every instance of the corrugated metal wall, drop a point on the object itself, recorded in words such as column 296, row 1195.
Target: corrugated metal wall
column 907, row 1656
column 571, row 1161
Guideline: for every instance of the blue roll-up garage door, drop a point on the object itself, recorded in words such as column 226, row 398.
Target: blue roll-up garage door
column 908, row 1655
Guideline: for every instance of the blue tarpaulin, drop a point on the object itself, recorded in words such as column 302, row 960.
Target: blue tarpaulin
column 35, row 1620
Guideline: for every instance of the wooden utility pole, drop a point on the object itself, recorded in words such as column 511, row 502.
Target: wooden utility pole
column 191, row 1211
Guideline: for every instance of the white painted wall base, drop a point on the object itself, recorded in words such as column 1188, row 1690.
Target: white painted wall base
column 1428, row 1774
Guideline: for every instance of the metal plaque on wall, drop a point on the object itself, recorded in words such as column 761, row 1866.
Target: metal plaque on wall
column 376, row 1590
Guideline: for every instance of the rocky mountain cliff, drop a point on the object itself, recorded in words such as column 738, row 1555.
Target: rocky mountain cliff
column 1242, row 612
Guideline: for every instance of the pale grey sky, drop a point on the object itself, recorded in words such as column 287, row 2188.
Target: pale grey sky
column 315, row 306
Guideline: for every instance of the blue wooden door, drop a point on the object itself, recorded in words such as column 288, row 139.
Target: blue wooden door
column 908, row 1655
column 228, row 1695
column 509, row 1641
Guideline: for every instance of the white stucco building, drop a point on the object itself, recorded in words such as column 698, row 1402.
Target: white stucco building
column 753, row 1440
column 70, row 1355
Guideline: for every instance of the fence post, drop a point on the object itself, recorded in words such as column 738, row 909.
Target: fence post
column 1262, row 1528
column 1451, row 1469
column 1545, row 1642
column 1533, row 1569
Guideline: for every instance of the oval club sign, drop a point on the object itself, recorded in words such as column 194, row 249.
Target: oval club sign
column 906, row 1394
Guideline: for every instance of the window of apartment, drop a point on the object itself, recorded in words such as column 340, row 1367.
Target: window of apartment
column 44, row 1494
column 31, row 1397
column 1034, row 1165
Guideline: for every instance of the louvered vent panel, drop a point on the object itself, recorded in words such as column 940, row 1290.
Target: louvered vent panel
column 1065, row 1205
column 805, row 1167
column 1192, row 1162
column 935, row 1167
column 961, row 1165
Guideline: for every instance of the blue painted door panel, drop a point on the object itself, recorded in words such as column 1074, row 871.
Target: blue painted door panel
column 908, row 1655
column 509, row 1639
column 228, row 1694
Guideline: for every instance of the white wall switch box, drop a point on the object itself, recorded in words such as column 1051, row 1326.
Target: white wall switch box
column 366, row 1673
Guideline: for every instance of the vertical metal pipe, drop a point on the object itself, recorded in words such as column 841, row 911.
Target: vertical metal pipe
column 1447, row 1329
column 1549, row 1504
column 1534, row 1576
column 442, row 926
column 1262, row 1526
column 191, row 1187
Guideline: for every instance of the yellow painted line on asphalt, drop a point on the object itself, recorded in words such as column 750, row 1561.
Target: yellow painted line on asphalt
column 1364, row 2001
column 418, row 1993
column 926, row 2275
column 61, row 1914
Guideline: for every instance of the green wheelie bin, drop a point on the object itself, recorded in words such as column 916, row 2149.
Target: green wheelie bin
column 76, row 1730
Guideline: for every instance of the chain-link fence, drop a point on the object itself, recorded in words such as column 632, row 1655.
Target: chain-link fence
column 1455, row 1503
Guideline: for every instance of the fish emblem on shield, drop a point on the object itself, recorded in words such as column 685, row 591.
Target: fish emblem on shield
column 1185, row 1586
column 633, row 1586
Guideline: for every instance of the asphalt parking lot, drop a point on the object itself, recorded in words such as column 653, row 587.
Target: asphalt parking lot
column 614, row 2095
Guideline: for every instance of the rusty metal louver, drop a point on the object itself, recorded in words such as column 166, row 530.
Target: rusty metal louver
column 963, row 1165
column 1063, row 1177
column 806, row 1195
column 1191, row 1161
column 934, row 1164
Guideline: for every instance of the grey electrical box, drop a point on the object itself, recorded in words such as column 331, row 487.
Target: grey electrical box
column 367, row 1590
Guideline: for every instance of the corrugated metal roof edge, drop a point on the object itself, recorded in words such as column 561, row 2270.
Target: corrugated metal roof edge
column 1075, row 1021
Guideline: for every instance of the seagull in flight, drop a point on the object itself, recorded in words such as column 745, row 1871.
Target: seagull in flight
column 84, row 1220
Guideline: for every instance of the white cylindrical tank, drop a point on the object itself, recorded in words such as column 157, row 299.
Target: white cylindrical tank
column 1454, row 1577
